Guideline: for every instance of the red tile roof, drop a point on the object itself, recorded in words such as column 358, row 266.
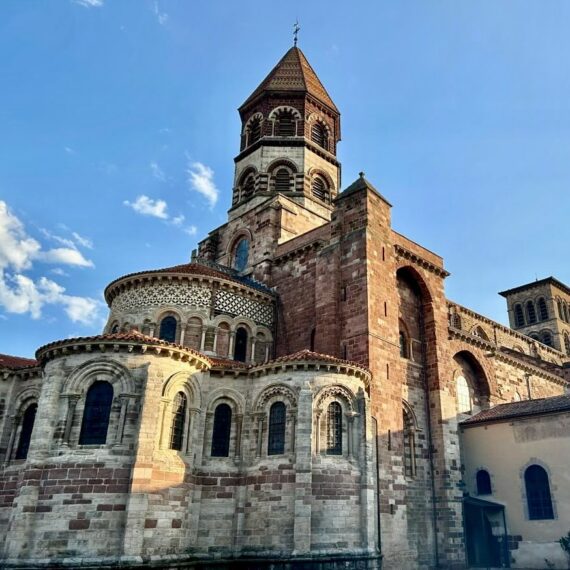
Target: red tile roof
column 16, row 362
column 524, row 408
column 293, row 73
column 192, row 269
column 131, row 336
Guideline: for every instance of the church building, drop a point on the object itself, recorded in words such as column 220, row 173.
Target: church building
column 301, row 394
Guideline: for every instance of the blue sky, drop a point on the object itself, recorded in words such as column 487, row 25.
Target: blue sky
column 119, row 128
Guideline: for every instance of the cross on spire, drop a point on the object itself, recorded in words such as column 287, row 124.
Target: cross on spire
column 296, row 29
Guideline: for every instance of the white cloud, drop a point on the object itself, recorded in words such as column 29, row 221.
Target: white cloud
column 157, row 172
column 201, row 180
column 19, row 293
column 82, row 241
column 59, row 271
column 159, row 209
column 65, row 255
column 17, row 249
column 69, row 150
column 162, row 17
column 149, row 207
column 89, row 3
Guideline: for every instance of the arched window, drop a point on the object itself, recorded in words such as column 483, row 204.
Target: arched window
column 319, row 188
column 167, row 329
column 455, row 321
column 530, row 312
column 538, row 496
column 96, row 414
column 254, row 130
column 542, row 309
column 223, row 341
column 282, row 179
column 567, row 343
column 115, row 328
column 222, row 430
column 276, row 436
column 178, row 421
column 409, row 443
column 28, row 420
column 519, row 316
column 248, row 186
column 241, row 254
column 483, row 482
column 560, row 311
column 546, row 338
column 534, row 336
column 479, row 332
column 313, row 335
column 319, row 135
column 334, row 429
column 463, row 395
column 240, row 349
column 565, row 309
column 286, row 125
column 404, row 353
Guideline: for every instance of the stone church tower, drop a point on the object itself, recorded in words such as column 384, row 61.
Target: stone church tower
column 287, row 175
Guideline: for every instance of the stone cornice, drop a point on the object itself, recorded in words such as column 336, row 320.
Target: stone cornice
column 496, row 352
column 404, row 253
column 505, row 330
column 21, row 373
column 143, row 279
column 101, row 345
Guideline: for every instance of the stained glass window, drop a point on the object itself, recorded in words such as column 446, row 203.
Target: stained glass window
column 241, row 254
column 222, row 430
column 178, row 421
column 334, row 429
column 168, row 329
column 276, row 437
column 96, row 414
column 28, row 420
column 538, row 493
column 240, row 349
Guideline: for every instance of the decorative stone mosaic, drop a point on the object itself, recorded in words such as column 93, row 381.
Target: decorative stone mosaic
column 232, row 304
column 162, row 294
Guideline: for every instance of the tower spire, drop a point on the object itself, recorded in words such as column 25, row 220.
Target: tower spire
column 296, row 29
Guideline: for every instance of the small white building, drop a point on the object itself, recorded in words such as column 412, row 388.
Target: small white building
column 517, row 474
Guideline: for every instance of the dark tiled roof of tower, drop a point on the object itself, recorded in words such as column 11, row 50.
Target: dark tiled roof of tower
column 293, row 73
column 547, row 280
column 521, row 409
column 16, row 362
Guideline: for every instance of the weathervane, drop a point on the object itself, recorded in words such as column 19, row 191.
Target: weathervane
column 296, row 29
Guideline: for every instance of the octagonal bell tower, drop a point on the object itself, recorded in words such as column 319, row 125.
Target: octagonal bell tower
column 290, row 130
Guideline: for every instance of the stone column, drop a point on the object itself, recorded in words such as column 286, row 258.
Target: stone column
column 260, row 416
column 303, row 475
column 239, row 423
column 163, row 417
column 203, row 339
column 192, row 415
column 124, row 398
column 232, row 336
column 16, row 419
column 215, row 344
column 182, row 334
column 252, row 353
column 72, row 400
